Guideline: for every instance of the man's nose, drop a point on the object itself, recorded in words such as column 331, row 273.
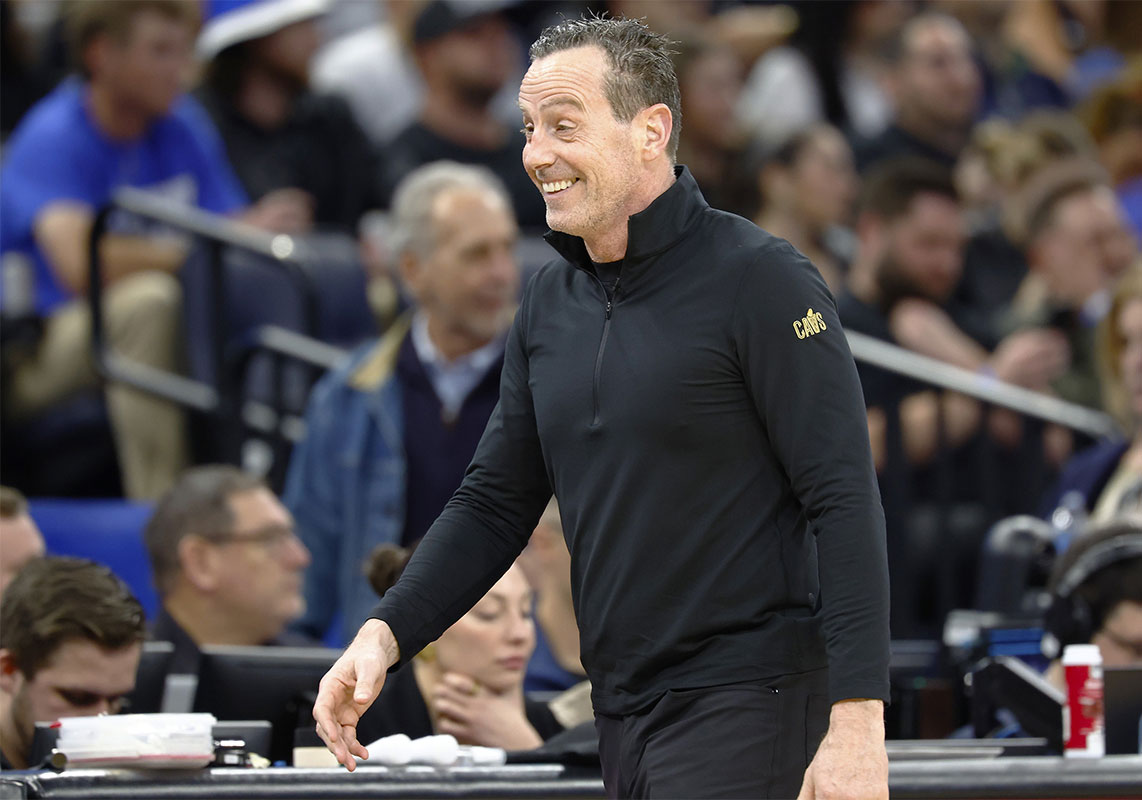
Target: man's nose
column 537, row 153
column 298, row 553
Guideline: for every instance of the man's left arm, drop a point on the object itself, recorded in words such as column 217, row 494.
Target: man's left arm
column 798, row 366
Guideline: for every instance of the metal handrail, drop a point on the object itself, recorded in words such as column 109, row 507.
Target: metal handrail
column 219, row 232
column 982, row 387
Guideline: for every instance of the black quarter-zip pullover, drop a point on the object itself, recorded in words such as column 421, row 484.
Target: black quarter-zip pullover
column 704, row 431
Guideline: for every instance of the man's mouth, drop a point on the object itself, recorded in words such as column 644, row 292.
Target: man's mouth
column 558, row 186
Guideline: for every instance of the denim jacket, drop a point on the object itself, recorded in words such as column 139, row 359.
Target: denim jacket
column 346, row 482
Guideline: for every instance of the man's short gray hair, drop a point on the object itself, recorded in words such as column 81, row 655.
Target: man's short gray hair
column 413, row 228
column 641, row 70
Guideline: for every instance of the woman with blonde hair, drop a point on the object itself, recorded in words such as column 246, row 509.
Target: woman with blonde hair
column 1108, row 475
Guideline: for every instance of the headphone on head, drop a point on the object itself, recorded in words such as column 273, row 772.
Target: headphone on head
column 1070, row 619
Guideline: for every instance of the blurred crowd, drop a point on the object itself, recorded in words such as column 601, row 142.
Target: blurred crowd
column 966, row 175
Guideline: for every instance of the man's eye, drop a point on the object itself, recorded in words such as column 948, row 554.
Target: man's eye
column 526, row 131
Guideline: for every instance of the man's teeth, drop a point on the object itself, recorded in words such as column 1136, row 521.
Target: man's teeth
column 558, row 186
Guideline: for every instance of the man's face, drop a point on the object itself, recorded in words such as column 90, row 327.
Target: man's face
column 923, row 255
column 710, row 89
column 149, row 69
column 1120, row 637
column 20, row 542
column 1085, row 248
column 467, row 284
column 1129, row 326
column 583, row 159
column 81, row 679
column 258, row 568
column 937, row 78
column 476, row 60
column 288, row 52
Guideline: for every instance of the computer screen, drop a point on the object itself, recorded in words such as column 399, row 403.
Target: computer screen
column 1122, row 695
column 276, row 684
column 150, row 678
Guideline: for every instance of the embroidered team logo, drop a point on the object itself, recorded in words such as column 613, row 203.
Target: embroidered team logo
column 812, row 323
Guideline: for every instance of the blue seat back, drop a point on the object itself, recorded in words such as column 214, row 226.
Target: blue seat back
column 107, row 531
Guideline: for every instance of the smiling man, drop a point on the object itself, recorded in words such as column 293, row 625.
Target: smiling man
column 70, row 639
column 712, row 467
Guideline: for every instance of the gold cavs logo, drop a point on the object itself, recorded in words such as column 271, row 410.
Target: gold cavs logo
column 812, row 323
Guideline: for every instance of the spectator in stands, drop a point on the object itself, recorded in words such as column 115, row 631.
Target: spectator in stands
column 1010, row 86
column 546, row 562
column 992, row 176
column 1077, row 242
column 20, row 539
column 70, row 638
column 911, row 230
column 937, row 90
column 469, row 682
column 227, row 564
column 466, row 54
column 124, row 122
column 281, row 136
column 1108, row 474
column 1113, row 115
column 1096, row 589
column 711, row 145
column 390, row 433
column 374, row 71
column 807, row 189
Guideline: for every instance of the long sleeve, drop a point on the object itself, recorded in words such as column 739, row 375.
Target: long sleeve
column 486, row 523
column 801, row 374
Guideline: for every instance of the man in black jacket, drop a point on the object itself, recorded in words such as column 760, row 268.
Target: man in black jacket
column 681, row 382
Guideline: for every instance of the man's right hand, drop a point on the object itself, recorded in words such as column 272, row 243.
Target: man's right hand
column 350, row 687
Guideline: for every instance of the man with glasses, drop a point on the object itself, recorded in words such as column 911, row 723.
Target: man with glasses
column 226, row 563
column 70, row 637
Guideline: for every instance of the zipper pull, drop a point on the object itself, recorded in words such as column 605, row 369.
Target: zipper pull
column 609, row 306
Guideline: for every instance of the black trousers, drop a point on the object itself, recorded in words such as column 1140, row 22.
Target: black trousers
column 742, row 740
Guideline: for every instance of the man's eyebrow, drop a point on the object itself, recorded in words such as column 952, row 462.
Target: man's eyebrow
column 559, row 100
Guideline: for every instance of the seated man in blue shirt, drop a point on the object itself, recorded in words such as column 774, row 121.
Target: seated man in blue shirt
column 124, row 122
column 390, row 433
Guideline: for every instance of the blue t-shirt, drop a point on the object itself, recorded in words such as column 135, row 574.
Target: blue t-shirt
column 57, row 153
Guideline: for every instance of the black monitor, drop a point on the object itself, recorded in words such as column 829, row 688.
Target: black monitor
column 150, row 678
column 1122, row 695
column 276, row 684
column 1006, row 682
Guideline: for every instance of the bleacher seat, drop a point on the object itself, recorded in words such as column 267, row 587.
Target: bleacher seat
column 107, row 531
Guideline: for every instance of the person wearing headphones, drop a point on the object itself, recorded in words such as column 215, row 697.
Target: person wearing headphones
column 1096, row 597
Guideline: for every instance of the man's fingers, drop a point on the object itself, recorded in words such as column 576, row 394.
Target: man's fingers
column 369, row 677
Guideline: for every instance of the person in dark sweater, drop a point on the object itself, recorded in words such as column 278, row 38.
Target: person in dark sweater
column 285, row 141
column 679, row 378
column 227, row 565
column 390, row 433
column 466, row 53
column 469, row 682
column 937, row 89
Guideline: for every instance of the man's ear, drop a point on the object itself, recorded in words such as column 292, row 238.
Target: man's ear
column 198, row 560
column 410, row 268
column 655, row 125
column 10, row 674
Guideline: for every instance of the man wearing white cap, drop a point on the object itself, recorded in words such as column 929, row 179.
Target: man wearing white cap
column 279, row 135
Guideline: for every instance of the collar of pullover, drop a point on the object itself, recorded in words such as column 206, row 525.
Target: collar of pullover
column 649, row 232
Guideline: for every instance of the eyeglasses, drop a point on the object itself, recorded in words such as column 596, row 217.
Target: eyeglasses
column 84, row 698
column 272, row 537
